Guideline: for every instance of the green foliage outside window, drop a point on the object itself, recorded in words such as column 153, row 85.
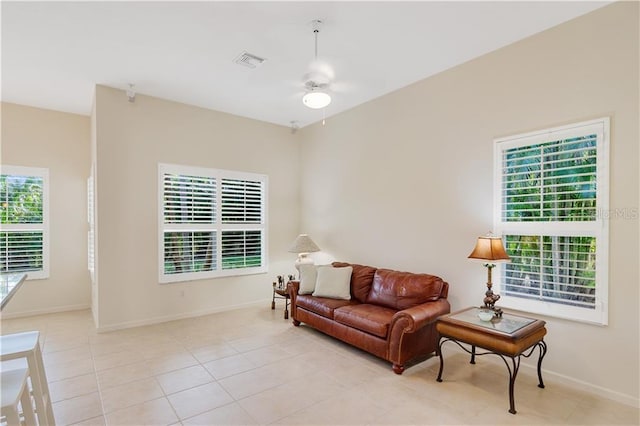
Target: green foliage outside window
column 551, row 182
column 21, row 198
column 21, row 202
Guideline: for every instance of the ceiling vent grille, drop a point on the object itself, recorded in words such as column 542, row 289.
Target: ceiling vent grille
column 248, row 60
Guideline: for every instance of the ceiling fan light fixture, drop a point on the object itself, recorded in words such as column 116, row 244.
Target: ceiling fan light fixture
column 316, row 99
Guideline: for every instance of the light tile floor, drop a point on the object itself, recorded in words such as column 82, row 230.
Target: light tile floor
column 250, row 366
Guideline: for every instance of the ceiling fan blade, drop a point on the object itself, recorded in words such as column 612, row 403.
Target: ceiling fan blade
column 322, row 68
column 298, row 84
column 342, row 87
column 297, row 95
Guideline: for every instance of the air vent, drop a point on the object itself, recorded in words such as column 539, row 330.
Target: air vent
column 248, row 60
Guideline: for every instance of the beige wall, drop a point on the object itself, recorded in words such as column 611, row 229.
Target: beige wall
column 405, row 181
column 35, row 137
column 131, row 139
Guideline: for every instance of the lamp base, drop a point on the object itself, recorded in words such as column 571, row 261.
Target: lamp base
column 303, row 259
column 490, row 300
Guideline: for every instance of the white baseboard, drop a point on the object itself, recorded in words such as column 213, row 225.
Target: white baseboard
column 158, row 320
column 55, row 310
column 585, row 386
column 552, row 377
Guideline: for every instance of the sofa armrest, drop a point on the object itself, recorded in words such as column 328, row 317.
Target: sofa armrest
column 292, row 289
column 413, row 332
column 415, row 318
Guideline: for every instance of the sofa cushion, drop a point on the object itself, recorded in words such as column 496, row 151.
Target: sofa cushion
column 308, row 275
column 361, row 280
column 402, row 290
column 321, row 305
column 333, row 282
column 371, row 319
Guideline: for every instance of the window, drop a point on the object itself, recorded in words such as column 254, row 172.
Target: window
column 212, row 223
column 550, row 198
column 24, row 237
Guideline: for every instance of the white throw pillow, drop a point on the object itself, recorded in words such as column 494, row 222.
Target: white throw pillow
column 308, row 276
column 333, row 282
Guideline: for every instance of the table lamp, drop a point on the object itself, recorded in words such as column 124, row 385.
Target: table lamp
column 303, row 245
column 490, row 250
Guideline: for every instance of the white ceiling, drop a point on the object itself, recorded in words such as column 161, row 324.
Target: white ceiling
column 53, row 53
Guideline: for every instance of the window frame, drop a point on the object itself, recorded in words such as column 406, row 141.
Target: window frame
column 218, row 226
column 598, row 228
column 27, row 227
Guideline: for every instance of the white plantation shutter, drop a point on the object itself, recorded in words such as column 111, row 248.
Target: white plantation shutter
column 21, row 251
column 189, row 199
column 551, row 195
column 91, row 232
column 212, row 223
column 241, row 201
column 24, row 210
column 190, row 251
column 562, row 271
column 241, row 249
column 551, row 181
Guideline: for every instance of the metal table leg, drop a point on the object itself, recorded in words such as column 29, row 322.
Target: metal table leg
column 512, row 367
column 273, row 298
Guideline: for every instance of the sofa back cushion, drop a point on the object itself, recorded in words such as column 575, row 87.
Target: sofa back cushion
column 402, row 290
column 361, row 280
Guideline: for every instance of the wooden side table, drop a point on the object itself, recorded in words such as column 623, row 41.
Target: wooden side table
column 510, row 337
column 280, row 293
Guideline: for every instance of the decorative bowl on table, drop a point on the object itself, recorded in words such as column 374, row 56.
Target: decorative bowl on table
column 485, row 314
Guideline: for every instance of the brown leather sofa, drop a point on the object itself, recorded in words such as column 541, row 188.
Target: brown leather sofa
column 391, row 314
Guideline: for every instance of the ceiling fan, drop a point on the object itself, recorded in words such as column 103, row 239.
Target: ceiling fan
column 318, row 80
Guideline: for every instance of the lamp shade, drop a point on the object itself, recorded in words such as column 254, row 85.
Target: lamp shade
column 489, row 249
column 316, row 99
column 303, row 244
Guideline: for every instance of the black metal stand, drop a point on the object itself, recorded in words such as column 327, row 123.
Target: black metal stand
column 513, row 367
column 280, row 294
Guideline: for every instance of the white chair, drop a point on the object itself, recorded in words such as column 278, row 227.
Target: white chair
column 26, row 345
column 16, row 390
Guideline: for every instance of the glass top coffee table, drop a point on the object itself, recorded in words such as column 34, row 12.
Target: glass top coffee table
column 509, row 337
